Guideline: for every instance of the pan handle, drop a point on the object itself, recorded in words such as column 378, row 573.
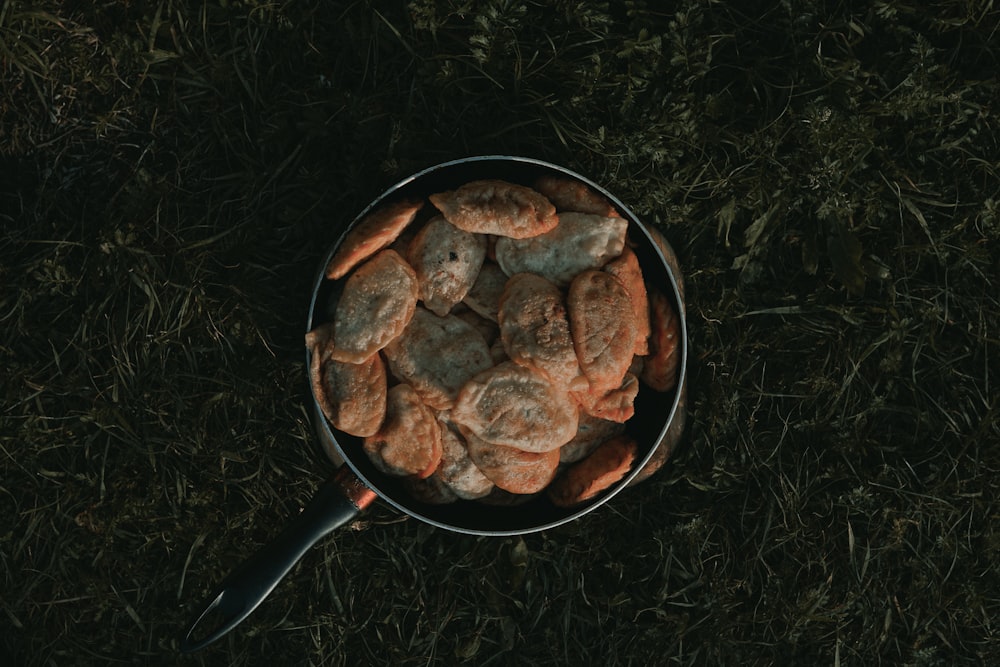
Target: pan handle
column 335, row 503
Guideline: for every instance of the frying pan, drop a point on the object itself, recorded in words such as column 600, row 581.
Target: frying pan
column 656, row 426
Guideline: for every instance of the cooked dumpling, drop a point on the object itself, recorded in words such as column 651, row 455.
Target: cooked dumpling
column 579, row 242
column 602, row 322
column 659, row 369
column 409, row 442
column 497, row 207
column 378, row 301
column 512, row 469
column 617, row 405
column 351, row 396
column 571, row 195
column 604, row 467
column 457, row 470
column 372, row 234
column 516, row 407
column 535, row 331
column 590, row 433
column 484, row 296
column 437, row 355
column 626, row 269
column 447, row 261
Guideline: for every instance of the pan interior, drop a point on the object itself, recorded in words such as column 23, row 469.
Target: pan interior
column 653, row 410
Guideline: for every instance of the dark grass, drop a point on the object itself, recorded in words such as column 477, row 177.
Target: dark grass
column 828, row 172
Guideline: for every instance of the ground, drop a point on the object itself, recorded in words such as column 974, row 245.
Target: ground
column 172, row 173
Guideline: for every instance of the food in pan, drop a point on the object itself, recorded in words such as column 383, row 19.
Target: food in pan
column 510, row 468
column 494, row 351
column 437, row 356
column 408, row 444
column 497, row 207
column 568, row 194
column 514, row 406
column 378, row 301
column 375, row 232
column 659, row 369
column 447, row 261
column 535, row 331
column 626, row 268
column 351, row 396
column 603, row 323
column 484, row 296
column 599, row 471
column 580, row 241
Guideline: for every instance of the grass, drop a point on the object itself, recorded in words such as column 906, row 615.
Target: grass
column 170, row 174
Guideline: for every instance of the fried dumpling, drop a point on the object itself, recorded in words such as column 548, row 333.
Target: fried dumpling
column 617, row 405
column 447, row 261
column 516, row 407
column 590, row 433
column 457, row 471
column 378, row 301
column 535, row 330
column 626, row 268
column 602, row 322
column 376, row 231
column 437, row 356
column 409, row 442
column 497, row 207
column 484, row 296
column 569, row 194
column 659, row 369
column 579, row 242
column 351, row 396
column 599, row 471
column 511, row 469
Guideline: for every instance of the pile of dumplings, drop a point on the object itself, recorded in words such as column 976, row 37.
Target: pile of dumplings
column 488, row 343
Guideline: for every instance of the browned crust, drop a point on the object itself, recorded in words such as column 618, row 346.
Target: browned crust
column 617, row 405
column 378, row 300
column 626, row 268
column 579, row 242
column 591, row 432
column 659, row 369
column 493, row 206
column 584, row 480
column 409, row 442
column 375, row 232
column 447, row 261
column 512, row 469
column 516, row 407
column 457, row 471
column 535, row 330
column 437, row 356
column 603, row 325
column 571, row 195
column 351, row 396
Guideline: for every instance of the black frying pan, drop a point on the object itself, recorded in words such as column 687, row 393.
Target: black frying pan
column 656, row 425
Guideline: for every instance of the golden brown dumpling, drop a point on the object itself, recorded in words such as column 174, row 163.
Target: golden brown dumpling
column 497, row 207
column 569, row 194
column 446, row 260
column 602, row 322
column 579, row 242
column 372, row 234
column 535, row 330
column 437, row 355
column 516, row 407
column 378, row 301
column 409, row 442
column 604, row 467
column 351, row 396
